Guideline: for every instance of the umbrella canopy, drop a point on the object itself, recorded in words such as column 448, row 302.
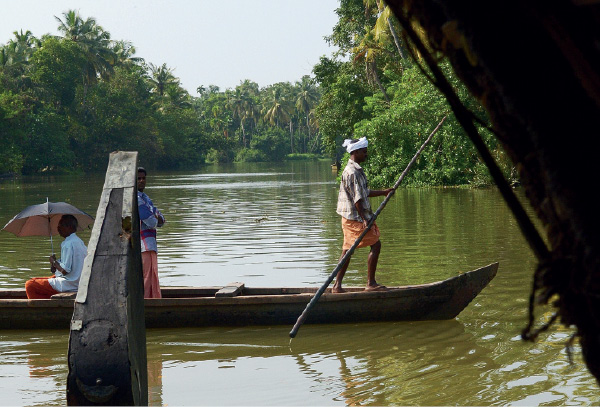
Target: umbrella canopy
column 42, row 219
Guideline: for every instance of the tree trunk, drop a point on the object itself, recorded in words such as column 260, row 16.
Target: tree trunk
column 291, row 138
column 243, row 133
column 376, row 78
column 381, row 8
column 307, row 130
column 396, row 40
column 85, row 92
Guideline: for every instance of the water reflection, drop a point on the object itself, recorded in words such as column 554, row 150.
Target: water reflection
column 33, row 369
column 275, row 225
column 415, row 363
column 379, row 364
column 155, row 368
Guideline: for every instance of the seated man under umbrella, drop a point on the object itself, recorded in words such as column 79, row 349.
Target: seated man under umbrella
column 67, row 269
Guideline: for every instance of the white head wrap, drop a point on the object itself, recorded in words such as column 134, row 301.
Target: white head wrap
column 350, row 146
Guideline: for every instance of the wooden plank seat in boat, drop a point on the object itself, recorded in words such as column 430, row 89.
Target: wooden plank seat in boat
column 64, row 296
column 230, row 290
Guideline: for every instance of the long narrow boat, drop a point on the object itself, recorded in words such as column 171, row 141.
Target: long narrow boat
column 238, row 305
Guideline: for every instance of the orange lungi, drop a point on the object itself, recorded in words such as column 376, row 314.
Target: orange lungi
column 150, row 266
column 39, row 288
column 353, row 228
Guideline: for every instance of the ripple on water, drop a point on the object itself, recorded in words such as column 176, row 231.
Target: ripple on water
column 272, row 225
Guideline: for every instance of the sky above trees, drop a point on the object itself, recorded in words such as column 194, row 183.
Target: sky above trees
column 204, row 42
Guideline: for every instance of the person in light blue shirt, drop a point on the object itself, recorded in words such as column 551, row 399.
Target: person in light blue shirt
column 67, row 270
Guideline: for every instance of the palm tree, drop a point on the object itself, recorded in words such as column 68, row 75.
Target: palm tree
column 73, row 27
column 161, row 77
column 384, row 23
column 276, row 110
column 314, row 122
column 367, row 50
column 15, row 56
column 22, row 47
column 219, row 120
column 124, row 53
column 3, row 56
column 306, row 98
column 242, row 102
column 94, row 42
column 236, row 102
column 178, row 96
column 167, row 88
column 19, row 50
column 251, row 93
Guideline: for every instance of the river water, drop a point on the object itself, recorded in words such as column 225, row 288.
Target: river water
column 275, row 225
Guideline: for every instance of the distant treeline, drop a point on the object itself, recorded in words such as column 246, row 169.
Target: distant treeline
column 67, row 101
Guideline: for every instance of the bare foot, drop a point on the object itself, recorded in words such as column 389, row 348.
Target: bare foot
column 376, row 287
column 337, row 290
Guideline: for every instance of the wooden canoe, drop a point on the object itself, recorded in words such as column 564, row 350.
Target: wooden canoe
column 238, row 305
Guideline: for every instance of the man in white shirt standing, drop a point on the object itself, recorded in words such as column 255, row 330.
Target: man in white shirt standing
column 66, row 270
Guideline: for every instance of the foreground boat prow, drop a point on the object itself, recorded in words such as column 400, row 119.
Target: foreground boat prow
column 464, row 288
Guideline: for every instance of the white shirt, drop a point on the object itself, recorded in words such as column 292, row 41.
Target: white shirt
column 72, row 254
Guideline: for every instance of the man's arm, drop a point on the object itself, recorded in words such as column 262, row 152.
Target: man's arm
column 380, row 192
column 65, row 264
column 160, row 218
column 359, row 209
column 55, row 266
column 147, row 215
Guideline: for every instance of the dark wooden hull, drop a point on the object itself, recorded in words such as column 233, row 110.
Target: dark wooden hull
column 198, row 306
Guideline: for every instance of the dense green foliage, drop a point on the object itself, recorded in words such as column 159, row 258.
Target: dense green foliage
column 378, row 92
column 66, row 102
column 249, row 123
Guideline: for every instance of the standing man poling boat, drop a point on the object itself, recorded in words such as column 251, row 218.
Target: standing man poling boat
column 355, row 209
column 150, row 219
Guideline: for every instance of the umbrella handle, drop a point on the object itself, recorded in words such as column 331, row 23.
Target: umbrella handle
column 50, row 229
